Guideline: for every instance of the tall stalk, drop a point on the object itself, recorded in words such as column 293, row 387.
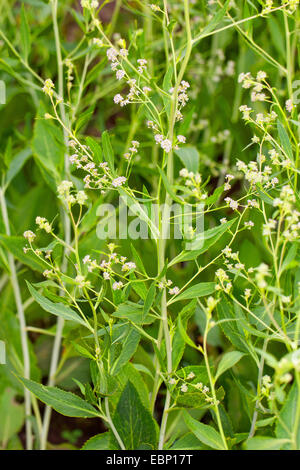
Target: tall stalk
column 22, row 321
column 67, row 228
column 165, row 219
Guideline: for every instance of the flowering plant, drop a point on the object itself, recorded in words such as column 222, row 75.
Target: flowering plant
column 150, row 224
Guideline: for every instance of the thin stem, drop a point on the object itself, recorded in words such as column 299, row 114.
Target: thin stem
column 67, row 229
column 22, row 321
column 165, row 221
column 212, row 385
column 112, row 426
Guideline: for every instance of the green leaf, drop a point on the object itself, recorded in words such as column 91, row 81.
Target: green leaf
column 194, row 398
column 214, row 196
column 25, row 34
column 204, row 433
column 95, row 148
column 16, row 164
column 149, row 299
column 289, row 258
column 198, row 290
column 230, row 325
column 11, row 415
column 16, row 245
column 189, row 157
column 134, row 422
column 185, row 336
column 288, row 418
column 84, row 118
column 264, row 443
column 228, row 360
column 60, row 310
column 108, row 153
column 284, row 140
column 63, row 402
column 168, row 187
column 138, row 260
column 47, row 144
column 178, row 344
column 202, row 242
column 133, row 312
column 137, row 209
column 188, row 442
column 129, row 344
column 217, row 18
column 104, row 441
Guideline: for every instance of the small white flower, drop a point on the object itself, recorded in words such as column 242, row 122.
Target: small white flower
column 166, row 145
column 29, row 235
column 119, row 181
column 174, row 291
column 118, row 98
column 120, row 74
column 117, row 285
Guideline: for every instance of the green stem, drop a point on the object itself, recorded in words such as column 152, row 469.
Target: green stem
column 212, row 385
column 22, row 321
column 165, row 220
column 67, row 229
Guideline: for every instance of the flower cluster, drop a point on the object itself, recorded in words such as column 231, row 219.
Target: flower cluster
column 98, row 176
column 71, row 198
column 224, row 283
column 257, row 174
column 48, row 87
column 190, row 385
column 192, row 182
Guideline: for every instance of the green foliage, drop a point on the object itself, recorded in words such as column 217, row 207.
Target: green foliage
column 149, row 225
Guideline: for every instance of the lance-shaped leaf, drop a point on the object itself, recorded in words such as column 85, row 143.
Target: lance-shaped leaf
column 198, row 290
column 60, row 310
column 63, row 402
column 206, row 434
column 202, row 242
column 134, row 422
column 228, row 360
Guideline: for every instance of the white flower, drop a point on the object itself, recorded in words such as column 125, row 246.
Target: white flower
column 261, row 76
column 112, row 54
column 166, row 145
column 118, row 98
column 81, row 197
column 191, row 376
column 29, row 235
column 117, row 285
column 181, row 139
column 48, row 87
column 119, row 181
column 120, row 74
column 174, row 291
column 64, row 187
column 184, row 173
column 128, row 266
column 184, row 388
column 158, row 138
column 289, row 106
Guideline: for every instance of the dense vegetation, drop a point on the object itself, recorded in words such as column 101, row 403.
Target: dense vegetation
column 149, row 225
